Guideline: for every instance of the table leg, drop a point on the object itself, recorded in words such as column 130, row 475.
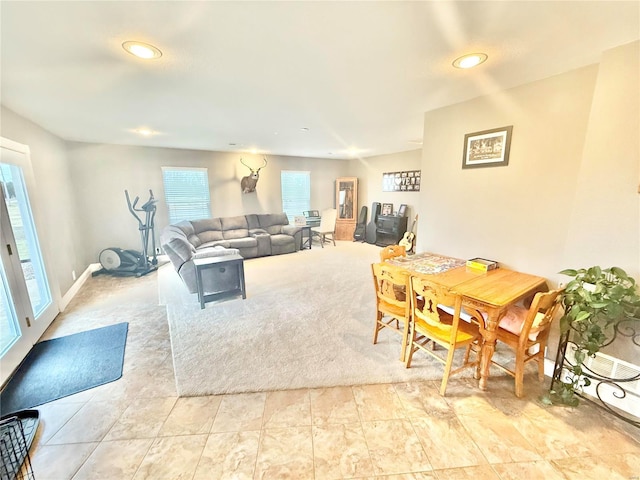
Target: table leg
column 488, row 347
column 200, row 287
column 241, row 279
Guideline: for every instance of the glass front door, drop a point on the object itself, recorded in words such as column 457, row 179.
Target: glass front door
column 10, row 330
column 26, row 304
column 24, row 232
column 16, row 314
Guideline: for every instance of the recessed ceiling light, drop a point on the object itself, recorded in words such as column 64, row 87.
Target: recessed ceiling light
column 304, row 129
column 471, row 60
column 142, row 50
column 145, row 132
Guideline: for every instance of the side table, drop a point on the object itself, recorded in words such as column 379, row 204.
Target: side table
column 227, row 277
column 305, row 242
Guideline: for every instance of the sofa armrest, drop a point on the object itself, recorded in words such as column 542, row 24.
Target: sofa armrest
column 179, row 249
column 290, row 229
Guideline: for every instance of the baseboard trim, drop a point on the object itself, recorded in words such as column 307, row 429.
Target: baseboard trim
column 75, row 288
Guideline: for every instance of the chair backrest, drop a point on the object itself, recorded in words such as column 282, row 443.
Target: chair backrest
column 425, row 297
column 328, row 220
column 391, row 251
column 391, row 284
column 541, row 313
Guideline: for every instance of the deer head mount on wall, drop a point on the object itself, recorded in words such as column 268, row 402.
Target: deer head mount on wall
column 248, row 183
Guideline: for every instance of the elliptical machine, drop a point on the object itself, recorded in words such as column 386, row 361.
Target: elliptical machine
column 125, row 263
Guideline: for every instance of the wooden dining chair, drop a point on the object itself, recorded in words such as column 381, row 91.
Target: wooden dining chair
column 429, row 323
column 391, row 251
column 526, row 331
column 392, row 305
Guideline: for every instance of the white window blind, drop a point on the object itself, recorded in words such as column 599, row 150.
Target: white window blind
column 186, row 191
column 296, row 192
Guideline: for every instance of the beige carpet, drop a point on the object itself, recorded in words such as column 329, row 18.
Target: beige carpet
column 307, row 322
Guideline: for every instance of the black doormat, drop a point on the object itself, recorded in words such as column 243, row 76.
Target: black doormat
column 63, row 366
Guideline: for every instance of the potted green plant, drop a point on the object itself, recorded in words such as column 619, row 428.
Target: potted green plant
column 595, row 301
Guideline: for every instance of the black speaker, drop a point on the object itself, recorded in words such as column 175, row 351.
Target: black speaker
column 372, row 225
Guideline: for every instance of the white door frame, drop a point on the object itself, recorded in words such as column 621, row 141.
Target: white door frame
column 18, row 154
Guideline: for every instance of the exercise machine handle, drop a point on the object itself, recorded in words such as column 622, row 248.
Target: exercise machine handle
column 132, row 208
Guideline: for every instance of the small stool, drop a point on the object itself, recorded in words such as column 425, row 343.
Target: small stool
column 228, row 277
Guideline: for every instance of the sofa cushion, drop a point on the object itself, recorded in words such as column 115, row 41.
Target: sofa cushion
column 252, row 221
column 245, row 242
column 273, row 223
column 206, row 224
column 211, row 236
column 187, row 228
column 270, row 219
column 282, row 244
column 207, row 230
column 234, row 227
column 279, row 240
column 216, row 243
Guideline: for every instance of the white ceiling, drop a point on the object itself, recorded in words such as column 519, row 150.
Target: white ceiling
column 356, row 74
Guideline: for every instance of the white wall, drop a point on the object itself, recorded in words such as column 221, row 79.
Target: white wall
column 101, row 173
column 515, row 214
column 565, row 156
column 569, row 196
column 54, row 204
column 369, row 172
column 603, row 228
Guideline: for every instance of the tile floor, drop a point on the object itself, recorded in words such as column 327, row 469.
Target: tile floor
column 136, row 427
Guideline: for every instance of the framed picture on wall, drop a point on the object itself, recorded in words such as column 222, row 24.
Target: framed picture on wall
column 408, row 181
column 489, row 148
column 387, row 209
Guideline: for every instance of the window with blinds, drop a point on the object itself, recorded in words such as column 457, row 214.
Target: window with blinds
column 186, row 191
column 296, row 192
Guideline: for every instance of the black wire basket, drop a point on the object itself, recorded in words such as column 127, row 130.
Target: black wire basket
column 16, row 434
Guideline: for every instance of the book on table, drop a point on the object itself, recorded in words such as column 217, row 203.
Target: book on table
column 482, row 264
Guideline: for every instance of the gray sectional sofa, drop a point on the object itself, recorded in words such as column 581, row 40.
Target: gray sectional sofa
column 254, row 235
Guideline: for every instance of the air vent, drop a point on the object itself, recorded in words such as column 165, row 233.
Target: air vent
column 614, row 368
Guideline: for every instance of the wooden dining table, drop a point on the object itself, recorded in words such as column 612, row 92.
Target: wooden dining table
column 491, row 292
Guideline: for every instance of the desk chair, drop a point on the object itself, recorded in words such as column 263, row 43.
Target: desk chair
column 391, row 251
column 327, row 226
column 527, row 331
column 428, row 323
column 392, row 304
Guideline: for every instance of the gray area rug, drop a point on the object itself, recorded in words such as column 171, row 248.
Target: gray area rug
column 307, row 322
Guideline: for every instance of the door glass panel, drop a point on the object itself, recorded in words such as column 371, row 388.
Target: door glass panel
column 24, row 232
column 9, row 327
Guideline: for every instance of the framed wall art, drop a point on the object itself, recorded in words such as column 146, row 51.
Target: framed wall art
column 489, row 148
column 402, row 210
column 407, row 181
